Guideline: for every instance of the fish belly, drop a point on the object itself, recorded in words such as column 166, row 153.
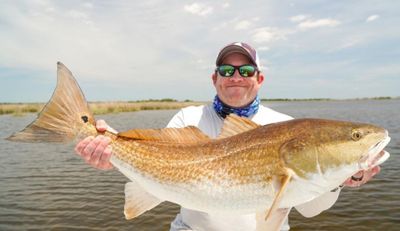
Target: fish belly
column 301, row 190
column 204, row 195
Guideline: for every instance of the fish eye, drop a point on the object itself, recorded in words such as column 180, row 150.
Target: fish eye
column 356, row 135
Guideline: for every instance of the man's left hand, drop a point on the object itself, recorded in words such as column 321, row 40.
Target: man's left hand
column 362, row 177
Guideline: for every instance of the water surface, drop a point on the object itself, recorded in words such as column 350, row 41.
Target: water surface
column 46, row 186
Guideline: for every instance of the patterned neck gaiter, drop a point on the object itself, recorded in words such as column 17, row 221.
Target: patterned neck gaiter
column 223, row 110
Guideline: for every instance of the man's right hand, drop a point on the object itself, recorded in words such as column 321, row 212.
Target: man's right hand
column 96, row 150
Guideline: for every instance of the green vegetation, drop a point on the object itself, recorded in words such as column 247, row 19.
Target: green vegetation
column 19, row 109
column 329, row 99
column 287, row 99
column 377, row 98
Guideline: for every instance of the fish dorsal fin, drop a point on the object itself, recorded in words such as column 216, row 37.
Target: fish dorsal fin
column 234, row 125
column 190, row 134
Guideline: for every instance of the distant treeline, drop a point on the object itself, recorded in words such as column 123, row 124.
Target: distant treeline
column 18, row 109
column 327, row 99
column 158, row 100
column 137, row 105
column 287, row 99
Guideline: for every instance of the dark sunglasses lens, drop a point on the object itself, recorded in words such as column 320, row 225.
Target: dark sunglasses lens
column 247, row 71
column 226, row 70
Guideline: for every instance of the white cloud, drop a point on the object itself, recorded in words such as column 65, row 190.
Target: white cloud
column 77, row 14
column 115, row 43
column 268, row 34
column 242, row 25
column 299, row 18
column 226, row 5
column 372, row 18
column 198, row 9
column 87, row 5
column 348, row 43
column 325, row 22
column 263, row 48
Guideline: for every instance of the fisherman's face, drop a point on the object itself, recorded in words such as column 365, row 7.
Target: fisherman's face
column 237, row 91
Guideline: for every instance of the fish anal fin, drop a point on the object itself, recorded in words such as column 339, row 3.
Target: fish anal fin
column 137, row 200
column 234, row 125
column 190, row 134
column 274, row 222
column 281, row 186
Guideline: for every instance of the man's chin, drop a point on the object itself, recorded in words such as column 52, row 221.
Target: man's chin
column 237, row 101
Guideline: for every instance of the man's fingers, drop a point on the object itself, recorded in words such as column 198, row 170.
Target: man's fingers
column 82, row 145
column 104, row 162
column 89, row 149
column 98, row 152
column 358, row 175
column 375, row 170
column 362, row 177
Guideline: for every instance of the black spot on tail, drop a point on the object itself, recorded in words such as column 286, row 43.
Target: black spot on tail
column 85, row 119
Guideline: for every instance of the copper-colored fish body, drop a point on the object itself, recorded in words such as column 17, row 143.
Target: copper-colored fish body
column 256, row 159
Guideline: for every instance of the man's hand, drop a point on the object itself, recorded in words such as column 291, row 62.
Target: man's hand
column 362, row 177
column 96, row 150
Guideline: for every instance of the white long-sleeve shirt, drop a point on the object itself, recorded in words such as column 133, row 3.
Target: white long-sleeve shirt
column 207, row 120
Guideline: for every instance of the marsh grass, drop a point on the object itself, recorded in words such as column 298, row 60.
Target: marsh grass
column 20, row 109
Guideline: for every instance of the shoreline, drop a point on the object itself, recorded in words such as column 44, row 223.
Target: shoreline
column 112, row 107
column 99, row 108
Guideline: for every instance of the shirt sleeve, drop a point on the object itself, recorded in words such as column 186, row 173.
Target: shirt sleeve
column 177, row 121
column 319, row 204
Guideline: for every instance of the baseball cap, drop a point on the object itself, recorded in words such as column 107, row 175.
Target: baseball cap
column 239, row 47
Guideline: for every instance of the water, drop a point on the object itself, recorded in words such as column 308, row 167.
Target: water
column 49, row 187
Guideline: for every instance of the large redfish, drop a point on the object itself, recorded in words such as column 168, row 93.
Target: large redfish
column 247, row 169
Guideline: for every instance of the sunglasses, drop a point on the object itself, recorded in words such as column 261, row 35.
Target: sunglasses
column 246, row 70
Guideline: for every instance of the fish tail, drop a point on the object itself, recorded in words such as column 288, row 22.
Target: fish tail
column 63, row 117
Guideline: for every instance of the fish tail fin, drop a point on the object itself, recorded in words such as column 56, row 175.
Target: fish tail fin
column 62, row 118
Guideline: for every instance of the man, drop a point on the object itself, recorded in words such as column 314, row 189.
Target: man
column 237, row 80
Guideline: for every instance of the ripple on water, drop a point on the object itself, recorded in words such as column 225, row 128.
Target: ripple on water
column 49, row 187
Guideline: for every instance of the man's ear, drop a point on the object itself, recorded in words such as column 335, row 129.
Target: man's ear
column 214, row 77
column 260, row 78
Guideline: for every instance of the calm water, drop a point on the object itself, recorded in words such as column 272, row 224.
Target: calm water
column 49, row 187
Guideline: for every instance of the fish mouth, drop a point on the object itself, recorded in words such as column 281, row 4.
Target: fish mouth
column 375, row 155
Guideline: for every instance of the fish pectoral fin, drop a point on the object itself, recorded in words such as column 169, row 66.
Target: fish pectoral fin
column 281, row 184
column 189, row 134
column 274, row 222
column 137, row 200
column 234, row 125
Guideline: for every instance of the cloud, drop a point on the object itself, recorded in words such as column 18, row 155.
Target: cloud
column 226, row 5
column 263, row 48
column 347, row 43
column 268, row 34
column 372, row 18
column 325, row 22
column 198, row 9
column 117, row 44
column 242, row 25
column 299, row 18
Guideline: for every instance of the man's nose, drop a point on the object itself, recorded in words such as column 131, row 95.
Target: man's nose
column 236, row 77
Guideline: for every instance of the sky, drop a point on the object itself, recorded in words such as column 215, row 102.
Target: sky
column 138, row 50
